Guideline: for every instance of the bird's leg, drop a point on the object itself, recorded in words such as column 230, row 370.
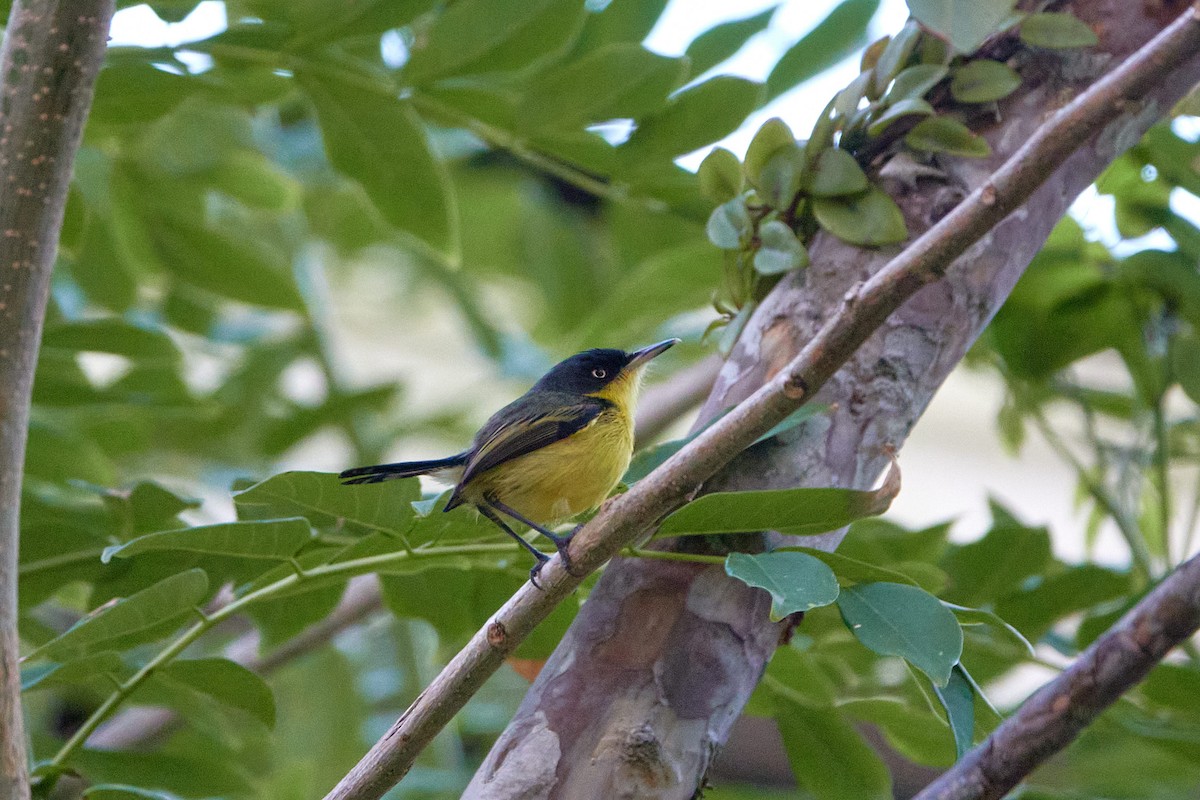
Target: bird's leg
column 541, row 557
column 561, row 543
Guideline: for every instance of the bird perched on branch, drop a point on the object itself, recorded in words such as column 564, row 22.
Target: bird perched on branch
column 551, row 454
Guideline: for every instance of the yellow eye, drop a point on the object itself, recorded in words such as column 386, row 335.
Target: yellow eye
column 599, row 374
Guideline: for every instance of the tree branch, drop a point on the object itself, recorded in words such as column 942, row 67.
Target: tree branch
column 625, row 519
column 1052, row 718
column 51, row 54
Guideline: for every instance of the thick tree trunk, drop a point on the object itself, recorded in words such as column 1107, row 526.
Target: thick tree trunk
column 646, row 683
column 52, row 53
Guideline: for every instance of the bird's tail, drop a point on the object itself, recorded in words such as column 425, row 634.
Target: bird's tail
column 404, row 469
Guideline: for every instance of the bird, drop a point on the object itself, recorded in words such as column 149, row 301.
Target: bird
column 553, row 453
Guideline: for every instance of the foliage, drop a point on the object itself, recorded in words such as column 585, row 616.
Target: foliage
column 517, row 171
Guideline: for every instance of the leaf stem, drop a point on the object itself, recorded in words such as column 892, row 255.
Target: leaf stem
column 340, row 569
column 664, row 555
column 1162, row 468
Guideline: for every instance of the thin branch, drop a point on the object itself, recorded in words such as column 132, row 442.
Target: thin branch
column 628, row 517
column 1049, row 720
column 340, row 569
column 51, row 54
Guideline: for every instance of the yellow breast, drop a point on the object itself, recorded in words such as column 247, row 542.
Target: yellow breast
column 566, row 478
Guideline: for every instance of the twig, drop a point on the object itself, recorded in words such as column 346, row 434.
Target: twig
column 358, row 566
column 51, row 54
column 136, row 726
column 1054, row 716
column 627, row 518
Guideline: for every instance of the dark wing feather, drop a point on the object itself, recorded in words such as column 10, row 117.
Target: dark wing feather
column 527, row 424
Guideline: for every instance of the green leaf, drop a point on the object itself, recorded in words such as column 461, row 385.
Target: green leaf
column 481, row 36
column 1185, row 364
column 983, row 81
column 720, row 175
column 795, row 581
column 837, row 173
column 326, row 503
column 893, row 619
column 830, row 760
column 789, row 511
column 780, row 178
column 958, row 698
column 910, row 727
column 779, row 250
column 851, row 570
column 980, row 616
column 1033, row 609
column 273, row 540
column 70, row 673
column 894, row 56
column 142, row 617
column 984, row 571
column 1057, row 30
column 834, row 38
column 915, row 82
column 894, row 113
column 943, row 134
column 729, row 224
column 963, row 23
column 721, row 41
column 376, row 139
column 114, row 336
column 871, row 219
column 774, row 135
column 694, row 117
column 227, row 682
column 616, row 81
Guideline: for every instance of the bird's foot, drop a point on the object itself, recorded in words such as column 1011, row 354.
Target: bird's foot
column 536, row 569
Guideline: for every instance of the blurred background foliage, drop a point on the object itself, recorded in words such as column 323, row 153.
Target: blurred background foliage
column 270, row 225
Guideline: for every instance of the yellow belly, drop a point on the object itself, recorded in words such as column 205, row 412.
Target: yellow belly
column 563, row 479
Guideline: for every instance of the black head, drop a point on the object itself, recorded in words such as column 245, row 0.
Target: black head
column 590, row 371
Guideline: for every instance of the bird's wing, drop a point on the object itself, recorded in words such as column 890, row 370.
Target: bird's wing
column 528, row 424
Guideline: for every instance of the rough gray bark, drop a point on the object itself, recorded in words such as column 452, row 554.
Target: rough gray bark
column 52, row 52
column 645, row 685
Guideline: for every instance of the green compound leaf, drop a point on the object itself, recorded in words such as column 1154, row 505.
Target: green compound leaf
column 963, row 23
column 836, row 36
column 796, row 581
column 958, row 698
column 273, row 540
column 947, row 135
column 894, row 619
column 1057, row 30
column 720, row 175
column 779, row 250
column 869, row 219
column 73, row 672
column 837, row 173
column 694, row 117
column 139, row 618
column 322, row 499
column 721, row 41
column 729, row 224
column 983, row 81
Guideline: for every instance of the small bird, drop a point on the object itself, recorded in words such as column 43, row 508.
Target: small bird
column 551, row 454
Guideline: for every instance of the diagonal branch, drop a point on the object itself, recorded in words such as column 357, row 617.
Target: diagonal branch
column 52, row 52
column 1052, row 718
column 629, row 517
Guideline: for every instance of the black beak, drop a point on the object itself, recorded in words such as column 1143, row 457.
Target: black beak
column 639, row 357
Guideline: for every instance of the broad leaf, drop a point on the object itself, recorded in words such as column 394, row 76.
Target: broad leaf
column 898, row 620
column 721, row 41
column 142, row 617
column 1057, row 30
column 789, row 511
column 326, row 503
column 795, row 581
column 376, row 139
column 273, row 540
column 943, row 134
column 963, row 23
column 70, row 673
column 958, row 698
column 831, row 761
column 837, row 173
column 779, row 250
column 227, row 682
column 983, row 81
column 834, row 38
column 720, row 175
column 871, row 219
column 694, row 117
